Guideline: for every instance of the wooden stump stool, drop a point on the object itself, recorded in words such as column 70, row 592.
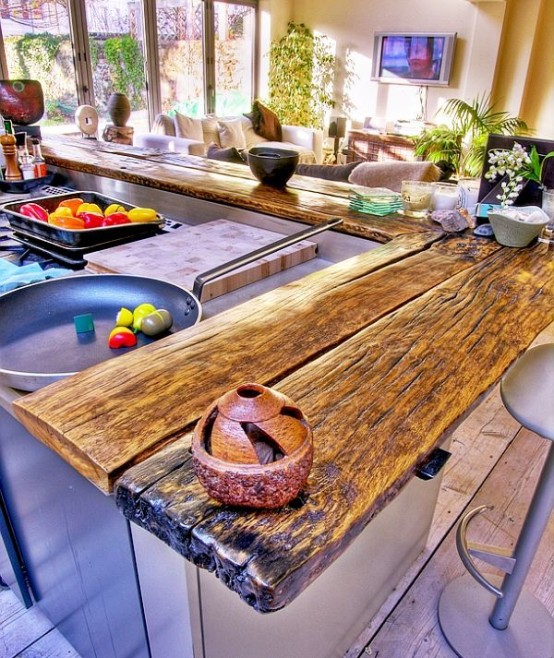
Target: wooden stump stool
column 517, row 625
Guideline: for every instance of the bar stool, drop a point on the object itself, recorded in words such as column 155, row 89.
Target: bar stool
column 472, row 625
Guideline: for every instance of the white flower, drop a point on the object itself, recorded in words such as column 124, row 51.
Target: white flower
column 509, row 163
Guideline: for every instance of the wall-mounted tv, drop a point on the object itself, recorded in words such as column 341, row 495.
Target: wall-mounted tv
column 413, row 57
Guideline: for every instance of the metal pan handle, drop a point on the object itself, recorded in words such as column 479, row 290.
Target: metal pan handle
column 262, row 252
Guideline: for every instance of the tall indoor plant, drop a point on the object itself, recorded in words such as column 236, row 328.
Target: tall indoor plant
column 462, row 142
column 301, row 72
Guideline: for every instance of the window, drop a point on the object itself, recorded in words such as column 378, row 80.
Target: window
column 193, row 56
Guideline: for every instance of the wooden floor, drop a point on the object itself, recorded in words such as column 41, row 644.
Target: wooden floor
column 494, row 461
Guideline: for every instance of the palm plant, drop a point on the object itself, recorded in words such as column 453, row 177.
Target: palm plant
column 462, row 143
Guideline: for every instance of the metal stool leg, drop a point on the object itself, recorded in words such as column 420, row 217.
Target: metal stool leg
column 525, row 630
column 527, row 544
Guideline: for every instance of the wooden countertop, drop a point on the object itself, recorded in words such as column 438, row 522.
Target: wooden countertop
column 383, row 352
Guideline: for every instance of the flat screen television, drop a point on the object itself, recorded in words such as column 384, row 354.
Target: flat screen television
column 413, row 57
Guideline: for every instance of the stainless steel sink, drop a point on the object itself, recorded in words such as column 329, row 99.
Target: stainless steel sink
column 333, row 247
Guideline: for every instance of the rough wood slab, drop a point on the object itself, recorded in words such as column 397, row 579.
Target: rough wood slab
column 379, row 403
column 211, row 181
column 107, row 417
column 182, row 255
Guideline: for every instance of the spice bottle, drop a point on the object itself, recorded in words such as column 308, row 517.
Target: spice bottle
column 40, row 163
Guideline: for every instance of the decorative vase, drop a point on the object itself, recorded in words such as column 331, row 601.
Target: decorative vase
column 253, row 447
column 119, row 109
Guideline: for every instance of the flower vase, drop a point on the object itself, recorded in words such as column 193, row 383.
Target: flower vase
column 119, row 109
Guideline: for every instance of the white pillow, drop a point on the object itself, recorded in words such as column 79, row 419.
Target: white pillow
column 209, row 129
column 250, row 137
column 188, row 128
column 231, row 134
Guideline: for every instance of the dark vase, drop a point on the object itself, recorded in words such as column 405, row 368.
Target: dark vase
column 119, row 109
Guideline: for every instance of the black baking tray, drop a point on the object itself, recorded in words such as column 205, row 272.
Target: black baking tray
column 62, row 248
column 91, row 237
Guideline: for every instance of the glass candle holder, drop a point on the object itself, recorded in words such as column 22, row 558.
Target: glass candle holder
column 547, row 234
column 445, row 196
column 416, row 198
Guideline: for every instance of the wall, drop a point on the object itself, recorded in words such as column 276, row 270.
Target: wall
column 500, row 50
column 524, row 83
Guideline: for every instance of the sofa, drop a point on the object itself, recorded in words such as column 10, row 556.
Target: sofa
column 224, row 138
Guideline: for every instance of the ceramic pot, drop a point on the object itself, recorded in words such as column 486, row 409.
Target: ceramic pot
column 272, row 166
column 253, row 447
column 119, row 109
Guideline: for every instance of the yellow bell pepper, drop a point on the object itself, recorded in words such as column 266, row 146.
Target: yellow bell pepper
column 142, row 214
column 89, row 207
column 114, row 207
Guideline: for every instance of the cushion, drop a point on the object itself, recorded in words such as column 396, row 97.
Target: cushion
column 163, row 125
column 188, row 128
column 391, row 173
column 305, row 155
column 328, row 172
column 250, row 136
column 265, row 122
column 231, row 154
column 230, row 133
column 209, row 130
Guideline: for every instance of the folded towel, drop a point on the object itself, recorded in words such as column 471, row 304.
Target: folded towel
column 13, row 276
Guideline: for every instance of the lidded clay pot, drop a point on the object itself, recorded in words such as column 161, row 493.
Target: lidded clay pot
column 119, row 109
column 253, row 447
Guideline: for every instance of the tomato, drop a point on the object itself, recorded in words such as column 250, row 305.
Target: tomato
column 34, row 211
column 121, row 337
column 116, row 218
column 72, row 204
column 142, row 214
column 92, row 220
column 63, row 221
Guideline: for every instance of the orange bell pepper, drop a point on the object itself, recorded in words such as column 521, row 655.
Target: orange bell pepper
column 65, row 221
column 72, row 204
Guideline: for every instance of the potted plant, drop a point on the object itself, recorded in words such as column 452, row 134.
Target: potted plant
column 514, row 168
column 462, row 143
column 301, row 72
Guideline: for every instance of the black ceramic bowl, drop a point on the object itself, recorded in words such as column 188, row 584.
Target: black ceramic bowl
column 272, row 166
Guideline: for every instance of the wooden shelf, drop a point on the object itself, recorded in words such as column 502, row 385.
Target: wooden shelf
column 373, row 147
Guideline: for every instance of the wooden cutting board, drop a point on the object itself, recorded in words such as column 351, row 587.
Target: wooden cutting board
column 183, row 254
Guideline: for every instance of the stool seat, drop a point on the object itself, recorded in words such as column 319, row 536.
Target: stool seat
column 527, row 390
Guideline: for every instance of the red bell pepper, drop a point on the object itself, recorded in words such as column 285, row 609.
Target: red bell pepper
column 92, row 219
column 35, row 211
column 116, row 218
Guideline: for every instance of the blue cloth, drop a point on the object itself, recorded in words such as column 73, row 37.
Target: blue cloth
column 13, row 276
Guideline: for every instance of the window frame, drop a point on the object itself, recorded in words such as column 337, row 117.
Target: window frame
column 78, row 29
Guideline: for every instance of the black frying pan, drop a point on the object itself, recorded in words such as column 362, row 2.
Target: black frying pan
column 38, row 340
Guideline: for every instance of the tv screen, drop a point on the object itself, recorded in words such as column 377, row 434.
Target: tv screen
column 413, row 58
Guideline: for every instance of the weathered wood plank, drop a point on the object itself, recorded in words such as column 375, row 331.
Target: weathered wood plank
column 96, row 419
column 378, row 404
column 211, row 181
